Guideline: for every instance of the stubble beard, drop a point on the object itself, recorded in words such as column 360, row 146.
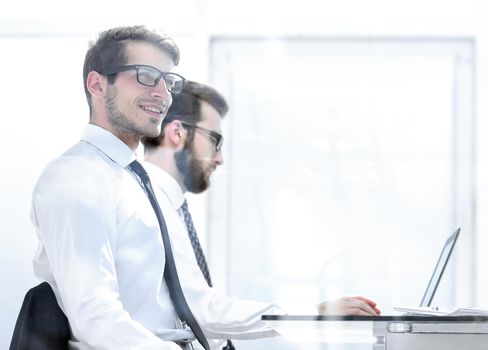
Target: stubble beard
column 124, row 126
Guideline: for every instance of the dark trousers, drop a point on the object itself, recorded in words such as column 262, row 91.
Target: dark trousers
column 41, row 324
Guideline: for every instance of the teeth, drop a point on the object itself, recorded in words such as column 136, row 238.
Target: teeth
column 151, row 109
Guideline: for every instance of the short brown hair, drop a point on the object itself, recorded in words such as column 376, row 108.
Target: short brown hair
column 186, row 107
column 110, row 50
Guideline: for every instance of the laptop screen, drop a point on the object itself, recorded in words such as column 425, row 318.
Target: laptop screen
column 439, row 269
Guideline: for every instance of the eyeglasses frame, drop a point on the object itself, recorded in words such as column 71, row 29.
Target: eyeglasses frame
column 117, row 69
column 215, row 136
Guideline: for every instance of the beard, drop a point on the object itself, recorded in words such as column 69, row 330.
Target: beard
column 125, row 127
column 196, row 178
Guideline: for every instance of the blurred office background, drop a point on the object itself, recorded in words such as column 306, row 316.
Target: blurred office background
column 355, row 144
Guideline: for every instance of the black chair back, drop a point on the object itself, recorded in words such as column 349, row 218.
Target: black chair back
column 41, row 324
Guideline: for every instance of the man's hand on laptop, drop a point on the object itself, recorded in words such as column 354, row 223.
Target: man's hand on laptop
column 349, row 306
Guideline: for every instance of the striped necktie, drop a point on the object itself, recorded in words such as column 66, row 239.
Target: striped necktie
column 195, row 242
column 199, row 255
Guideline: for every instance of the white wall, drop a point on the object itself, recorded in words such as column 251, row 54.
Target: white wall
column 379, row 18
column 29, row 138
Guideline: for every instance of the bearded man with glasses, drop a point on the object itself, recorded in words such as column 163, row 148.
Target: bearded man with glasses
column 182, row 159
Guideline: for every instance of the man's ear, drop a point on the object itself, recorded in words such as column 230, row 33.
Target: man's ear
column 176, row 134
column 96, row 84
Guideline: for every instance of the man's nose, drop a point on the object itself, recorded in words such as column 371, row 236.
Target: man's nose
column 161, row 91
column 218, row 157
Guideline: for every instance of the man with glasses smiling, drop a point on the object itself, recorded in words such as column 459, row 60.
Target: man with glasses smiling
column 102, row 242
column 182, row 159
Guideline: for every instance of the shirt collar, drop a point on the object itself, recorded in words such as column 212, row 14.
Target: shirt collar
column 167, row 183
column 109, row 144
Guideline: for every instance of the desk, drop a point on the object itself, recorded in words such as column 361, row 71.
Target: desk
column 386, row 332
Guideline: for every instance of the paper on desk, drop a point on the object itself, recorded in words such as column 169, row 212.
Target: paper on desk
column 470, row 311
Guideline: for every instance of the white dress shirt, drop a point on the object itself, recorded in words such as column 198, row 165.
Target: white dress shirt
column 219, row 315
column 100, row 248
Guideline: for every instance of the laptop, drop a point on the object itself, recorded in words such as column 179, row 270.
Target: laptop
column 425, row 305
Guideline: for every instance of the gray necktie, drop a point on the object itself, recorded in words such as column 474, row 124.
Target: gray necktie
column 170, row 273
column 195, row 242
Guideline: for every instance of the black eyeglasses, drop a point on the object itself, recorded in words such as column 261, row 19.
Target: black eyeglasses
column 150, row 76
column 217, row 138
